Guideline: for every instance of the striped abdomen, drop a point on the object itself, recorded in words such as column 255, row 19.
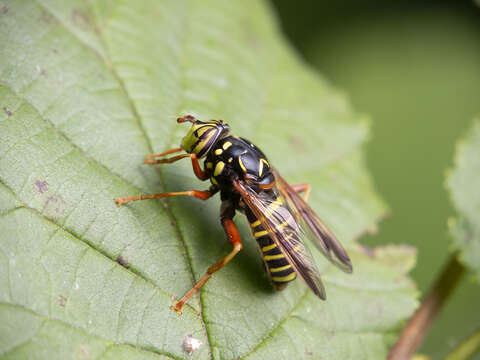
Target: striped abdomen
column 279, row 269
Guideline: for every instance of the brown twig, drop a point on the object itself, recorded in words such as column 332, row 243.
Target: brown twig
column 416, row 329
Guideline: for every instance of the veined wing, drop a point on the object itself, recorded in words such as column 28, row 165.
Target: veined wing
column 280, row 224
column 317, row 232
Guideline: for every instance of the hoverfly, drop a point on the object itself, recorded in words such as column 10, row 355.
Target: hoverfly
column 279, row 218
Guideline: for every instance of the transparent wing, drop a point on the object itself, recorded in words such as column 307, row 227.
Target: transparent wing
column 282, row 227
column 317, row 232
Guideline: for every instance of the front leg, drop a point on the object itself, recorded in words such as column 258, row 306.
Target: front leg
column 195, row 164
column 199, row 194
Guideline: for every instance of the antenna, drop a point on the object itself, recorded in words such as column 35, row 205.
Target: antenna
column 187, row 118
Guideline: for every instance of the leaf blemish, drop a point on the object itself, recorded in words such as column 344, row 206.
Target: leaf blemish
column 3, row 10
column 80, row 18
column 47, row 18
column 82, row 352
column 8, row 112
column 122, row 261
column 41, row 71
column 62, row 300
column 308, row 352
column 42, row 186
column 191, row 344
column 55, row 206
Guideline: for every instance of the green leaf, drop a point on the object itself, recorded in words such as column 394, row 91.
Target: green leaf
column 462, row 182
column 467, row 348
column 87, row 88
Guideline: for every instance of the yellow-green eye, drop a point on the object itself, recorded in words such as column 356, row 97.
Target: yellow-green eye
column 203, row 135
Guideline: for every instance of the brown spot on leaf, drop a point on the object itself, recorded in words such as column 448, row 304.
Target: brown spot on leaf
column 81, row 19
column 47, row 18
column 55, row 207
column 3, row 10
column 62, row 300
column 42, row 186
column 122, row 261
column 8, row 112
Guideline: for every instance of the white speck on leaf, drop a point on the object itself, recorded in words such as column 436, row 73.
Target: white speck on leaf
column 191, row 344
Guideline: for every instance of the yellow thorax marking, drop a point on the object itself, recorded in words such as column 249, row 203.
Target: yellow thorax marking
column 212, row 179
column 241, row 164
column 260, row 169
column 226, row 145
column 218, row 152
column 219, row 168
column 209, row 165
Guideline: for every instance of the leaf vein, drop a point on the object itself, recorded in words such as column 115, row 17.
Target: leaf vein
column 45, row 319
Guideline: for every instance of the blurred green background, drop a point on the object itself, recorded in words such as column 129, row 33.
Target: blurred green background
column 414, row 68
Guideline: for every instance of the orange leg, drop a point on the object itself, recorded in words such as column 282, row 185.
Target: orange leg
column 302, row 188
column 234, row 238
column 203, row 195
column 195, row 164
column 171, row 151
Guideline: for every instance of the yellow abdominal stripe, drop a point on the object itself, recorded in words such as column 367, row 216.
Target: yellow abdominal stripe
column 255, row 224
column 282, row 225
column 281, row 268
column 260, row 234
column 273, row 257
column 274, row 205
column 288, row 277
column 269, row 247
column 298, row 247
